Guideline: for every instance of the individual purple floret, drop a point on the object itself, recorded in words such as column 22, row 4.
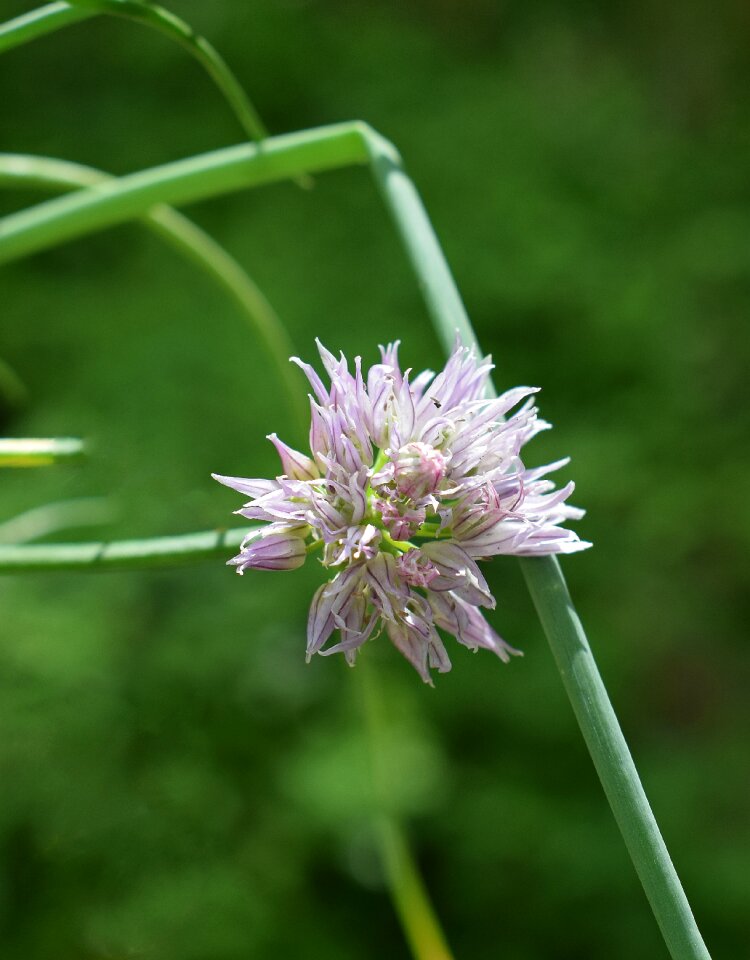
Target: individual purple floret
column 409, row 484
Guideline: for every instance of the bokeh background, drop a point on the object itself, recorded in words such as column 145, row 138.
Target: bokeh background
column 175, row 782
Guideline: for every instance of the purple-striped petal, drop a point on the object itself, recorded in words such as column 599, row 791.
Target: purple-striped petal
column 293, row 463
column 272, row 549
column 458, row 572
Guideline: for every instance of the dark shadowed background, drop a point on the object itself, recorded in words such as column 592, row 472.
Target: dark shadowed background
column 175, row 782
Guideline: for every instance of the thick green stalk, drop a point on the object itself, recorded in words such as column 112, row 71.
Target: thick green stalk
column 328, row 148
column 420, row 243
column 197, row 178
column 21, row 170
column 574, row 659
column 611, row 756
column 37, row 23
column 566, row 637
column 56, row 15
column 121, row 554
column 405, row 885
column 26, row 452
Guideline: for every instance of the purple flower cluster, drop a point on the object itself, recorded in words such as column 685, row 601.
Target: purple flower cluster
column 410, row 482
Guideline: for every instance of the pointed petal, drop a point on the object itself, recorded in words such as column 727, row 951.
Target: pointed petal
column 293, row 463
column 252, row 488
column 412, row 646
column 458, row 572
column 315, row 382
column 274, row 548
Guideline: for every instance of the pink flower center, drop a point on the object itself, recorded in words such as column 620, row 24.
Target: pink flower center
column 417, row 569
column 419, row 470
column 400, row 520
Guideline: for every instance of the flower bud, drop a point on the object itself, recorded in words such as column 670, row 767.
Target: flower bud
column 420, row 470
column 273, row 549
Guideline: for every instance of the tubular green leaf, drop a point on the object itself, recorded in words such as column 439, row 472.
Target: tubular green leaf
column 56, row 15
column 197, row 178
column 578, row 669
column 611, row 756
column 185, row 548
column 37, row 23
column 25, row 452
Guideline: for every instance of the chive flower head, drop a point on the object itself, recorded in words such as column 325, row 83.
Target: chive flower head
column 410, row 482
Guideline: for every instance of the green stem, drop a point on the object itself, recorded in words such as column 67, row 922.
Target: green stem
column 56, row 15
column 420, row 243
column 328, row 148
column 612, row 759
column 197, row 178
column 405, row 885
column 38, row 452
column 578, row 669
column 37, row 23
column 21, row 170
column 121, row 554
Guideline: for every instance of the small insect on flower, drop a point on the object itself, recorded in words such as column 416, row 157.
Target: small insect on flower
column 409, row 484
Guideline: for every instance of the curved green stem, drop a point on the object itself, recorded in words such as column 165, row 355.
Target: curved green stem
column 405, row 885
column 328, row 148
column 23, row 452
column 188, row 239
column 37, row 23
column 210, row 174
column 56, row 15
column 121, row 554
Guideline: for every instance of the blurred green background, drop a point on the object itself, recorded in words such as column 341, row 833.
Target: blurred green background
column 175, row 782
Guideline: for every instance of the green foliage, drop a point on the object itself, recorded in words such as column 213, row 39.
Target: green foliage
column 164, row 750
